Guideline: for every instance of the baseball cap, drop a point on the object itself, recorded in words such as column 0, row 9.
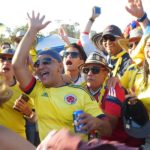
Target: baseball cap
column 135, row 34
column 96, row 58
column 7, row 52
column 51, row 53
column 112, row 30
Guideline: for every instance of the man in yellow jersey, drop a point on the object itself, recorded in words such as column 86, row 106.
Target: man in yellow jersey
column 9, row 117
column 55, row 102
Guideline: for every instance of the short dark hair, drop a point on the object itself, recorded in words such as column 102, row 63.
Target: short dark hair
column 80, row 49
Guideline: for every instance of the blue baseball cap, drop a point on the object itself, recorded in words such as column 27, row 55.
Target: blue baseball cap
column 51, row 53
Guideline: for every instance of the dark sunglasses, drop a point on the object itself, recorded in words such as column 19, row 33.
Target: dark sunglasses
column 8, row 59
column 73, row 54
column 131, row 45
column 108, row 37
column 45, row 61
column 94, row 70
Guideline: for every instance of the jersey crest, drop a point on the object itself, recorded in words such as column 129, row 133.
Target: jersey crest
column 70, row 99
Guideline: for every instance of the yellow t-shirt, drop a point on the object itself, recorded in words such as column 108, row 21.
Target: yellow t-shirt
column 55, row 106
column 11, row 118
column 128, row 78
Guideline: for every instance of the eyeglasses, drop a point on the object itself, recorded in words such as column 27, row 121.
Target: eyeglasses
column 133, row 44
column 94, row 70
column 44, row 61
column 8, row 59
column 4, row 47
column 73, row 54
column 108, row 37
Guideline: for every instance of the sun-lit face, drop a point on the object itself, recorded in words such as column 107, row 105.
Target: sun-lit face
column 72, row 59
column 110, row 43
column 48, row 70
column 6, row 67
column 132, row 45
column 95, row 75
column 147, row 50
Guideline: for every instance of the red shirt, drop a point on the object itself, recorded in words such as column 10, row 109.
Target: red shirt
column 111, row 104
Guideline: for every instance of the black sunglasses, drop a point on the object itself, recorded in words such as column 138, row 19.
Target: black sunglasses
column 94, row 70
column 73, row 54
column 44, row 61
column 8, row 59
column 108, row 37
column 131, row 45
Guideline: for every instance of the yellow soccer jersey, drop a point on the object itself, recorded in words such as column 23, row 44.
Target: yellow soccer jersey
column 55, row 106
column 11, row 118
column 128, row 78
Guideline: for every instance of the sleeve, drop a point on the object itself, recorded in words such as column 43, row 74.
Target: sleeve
column 87, row 44
column 32, row 89
column 114, row 101
column 125, row 79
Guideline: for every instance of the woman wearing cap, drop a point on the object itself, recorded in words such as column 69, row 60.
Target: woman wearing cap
column 97, row 73
column 9, row 117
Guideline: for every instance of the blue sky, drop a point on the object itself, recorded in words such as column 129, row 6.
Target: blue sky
column 13, row 12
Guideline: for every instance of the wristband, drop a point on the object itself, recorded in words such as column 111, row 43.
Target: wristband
column 142, row 18
column 30, row 116
column 91, row 19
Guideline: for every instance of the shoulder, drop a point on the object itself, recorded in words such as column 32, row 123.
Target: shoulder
column 80, row 88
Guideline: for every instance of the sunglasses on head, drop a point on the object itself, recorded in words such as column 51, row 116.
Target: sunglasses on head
column 8, row 59
column 133, row 44
column 108, row 37
column 73, row 54
column 94, row 70
column 44, row 61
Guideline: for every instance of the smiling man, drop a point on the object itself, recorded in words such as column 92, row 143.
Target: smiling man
column 52, row 95
column 119, row 58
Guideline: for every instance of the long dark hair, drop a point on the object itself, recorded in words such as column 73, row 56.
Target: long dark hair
column 146, row 73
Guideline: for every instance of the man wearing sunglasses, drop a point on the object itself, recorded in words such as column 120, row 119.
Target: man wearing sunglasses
column 73, row 56
column 97, row 73
column 10, row 117
column 55, row 101
column 119, row 58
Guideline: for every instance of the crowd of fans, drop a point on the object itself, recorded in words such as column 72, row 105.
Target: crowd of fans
column 106, row 76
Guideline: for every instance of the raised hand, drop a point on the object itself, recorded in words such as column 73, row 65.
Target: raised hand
column 94, row 15
column 36, row 22
column 63, row 35
column 135, row 8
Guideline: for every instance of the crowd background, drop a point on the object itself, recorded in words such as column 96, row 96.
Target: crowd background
column 106, row 75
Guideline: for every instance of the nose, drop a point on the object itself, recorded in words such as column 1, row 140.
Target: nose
column 90, row 72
